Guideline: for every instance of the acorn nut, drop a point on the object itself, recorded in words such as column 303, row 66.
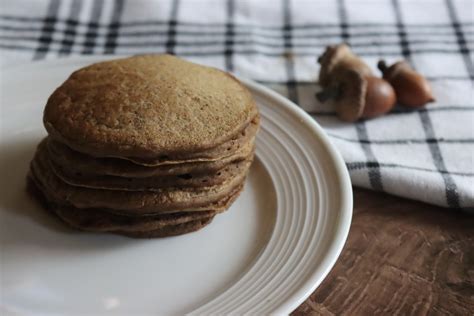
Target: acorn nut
column 380, row 97
column 411, row 88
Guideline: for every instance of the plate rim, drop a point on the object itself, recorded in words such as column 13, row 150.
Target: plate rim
column 345, row 193
column 346, row 208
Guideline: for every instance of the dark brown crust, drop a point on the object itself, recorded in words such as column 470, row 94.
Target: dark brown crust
column 147, row 106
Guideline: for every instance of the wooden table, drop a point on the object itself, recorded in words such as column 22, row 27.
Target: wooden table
column 401, row 258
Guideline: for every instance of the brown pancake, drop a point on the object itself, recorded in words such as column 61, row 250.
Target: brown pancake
column 150, row 183
column 107, row 222
column 225, row 150
column 169, row 231
column 70, row 176
column 146, row 107
column 244, row 137
column 134, row 202
column 89, row 166
column 101, row 220
column 218, row 206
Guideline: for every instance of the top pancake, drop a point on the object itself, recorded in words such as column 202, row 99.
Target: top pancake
column 147, row 106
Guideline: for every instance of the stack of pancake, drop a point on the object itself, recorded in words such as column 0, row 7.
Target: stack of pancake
column 146, row 146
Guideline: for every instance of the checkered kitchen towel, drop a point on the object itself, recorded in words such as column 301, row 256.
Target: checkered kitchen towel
column 424, row 154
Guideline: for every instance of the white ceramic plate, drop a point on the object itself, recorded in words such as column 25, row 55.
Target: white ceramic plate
column 266, row 254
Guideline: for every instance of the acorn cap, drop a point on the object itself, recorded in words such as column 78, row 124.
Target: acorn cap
column 351, row 100
column 390, row 72
column 329, row 59
column 340, row 56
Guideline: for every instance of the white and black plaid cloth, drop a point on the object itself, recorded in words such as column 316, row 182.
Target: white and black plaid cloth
column 424, row 154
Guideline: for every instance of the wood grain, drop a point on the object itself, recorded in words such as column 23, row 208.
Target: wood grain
column 401, row 258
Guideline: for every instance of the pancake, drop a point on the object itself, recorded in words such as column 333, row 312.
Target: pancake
column 145, row 146
column 150, row 183
column 154, row 183
column 77, row 162
column 226, row 150
column 134, row 202
column 147, row 107
column 98, row 220
column 169, row 231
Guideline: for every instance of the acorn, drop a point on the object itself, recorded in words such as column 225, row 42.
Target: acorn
column 411, row 88
column 351, row 86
